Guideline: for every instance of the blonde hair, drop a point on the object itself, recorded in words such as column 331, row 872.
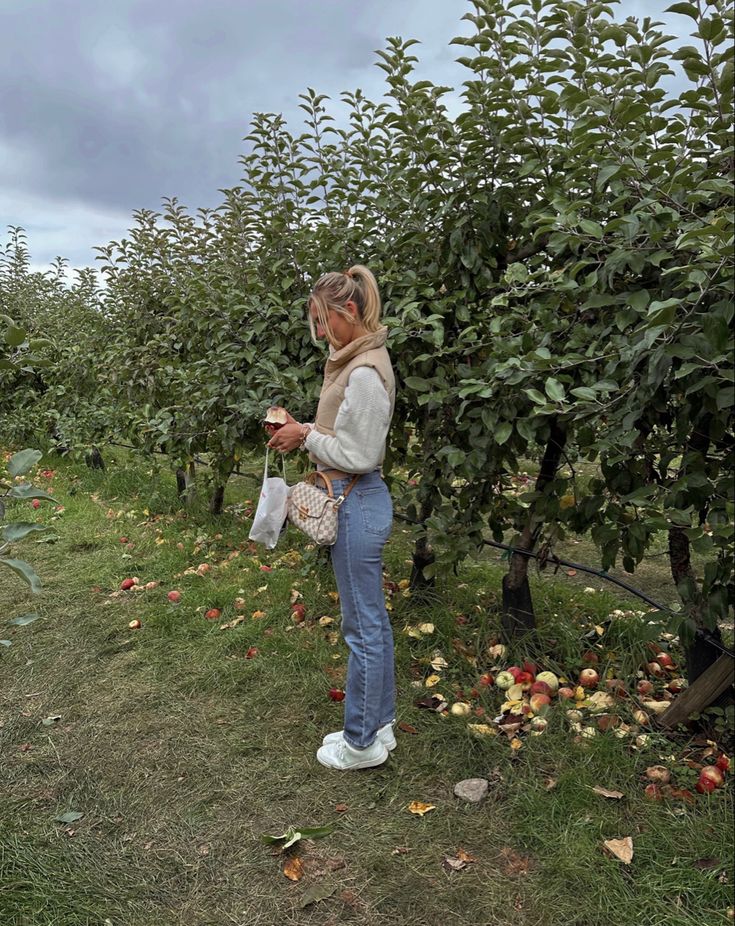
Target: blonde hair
column 334, row 290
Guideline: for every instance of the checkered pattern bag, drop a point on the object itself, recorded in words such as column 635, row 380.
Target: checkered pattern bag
column 314, row 511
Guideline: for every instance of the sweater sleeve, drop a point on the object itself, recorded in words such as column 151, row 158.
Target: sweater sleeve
column 361, row 426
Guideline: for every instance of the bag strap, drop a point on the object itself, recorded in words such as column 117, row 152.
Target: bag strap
column 312, row 477
column 283, row 464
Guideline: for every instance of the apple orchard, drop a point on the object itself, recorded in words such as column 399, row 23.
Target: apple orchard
column 556, row 264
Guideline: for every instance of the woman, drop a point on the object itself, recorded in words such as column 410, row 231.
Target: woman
column 348, row 437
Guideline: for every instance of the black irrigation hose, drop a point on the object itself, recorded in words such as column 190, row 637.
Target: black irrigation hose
column 704, row 634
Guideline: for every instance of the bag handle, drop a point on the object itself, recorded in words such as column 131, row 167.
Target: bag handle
column 283, row 464
column 328, row 482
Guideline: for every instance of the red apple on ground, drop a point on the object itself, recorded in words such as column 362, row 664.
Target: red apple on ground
column 588, row 678
column 213, row 614
column 654, row 668
column 126, row 584
column 617, row 687
column 486, row 680
column 665, row 660
column 124, row 540
column 540, row 688
column 566, row 694
column 712, row 773
column 550, row 679
column 252, row 652
column 722, row 763
column 644, row 687
column 35, row 503
column 524, row 678
column 538, row 702
column 653, row 791
column 135, row 624
column 336, row 694
column 514, row 671
column 590, row 657
column 530, row 667
column 298, row 612
column 174, row 596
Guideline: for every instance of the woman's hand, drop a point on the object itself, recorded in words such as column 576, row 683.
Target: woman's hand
column 288, row 437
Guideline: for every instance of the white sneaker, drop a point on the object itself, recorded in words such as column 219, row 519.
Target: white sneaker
column 340, row 755
column 385, row 735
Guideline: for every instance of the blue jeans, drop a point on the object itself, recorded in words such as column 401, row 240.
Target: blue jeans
column 365, row 522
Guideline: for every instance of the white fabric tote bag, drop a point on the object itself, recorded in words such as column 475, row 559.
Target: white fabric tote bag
column 270, row 514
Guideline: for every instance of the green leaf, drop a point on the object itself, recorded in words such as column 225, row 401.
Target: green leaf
column 554, row 390
column 584, row 392
column 15, row 336
column 19, row 529
column 71, row 817
column 686, row 9
column 6, row 642
column 503, row 432
column 24, row 619
column 22, row 461
column 535, row 396
column 29, row 491
column 24, row 570
column 316, row 893
column 417, row 384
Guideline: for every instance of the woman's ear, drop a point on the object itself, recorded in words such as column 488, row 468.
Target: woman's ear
column 352, row 309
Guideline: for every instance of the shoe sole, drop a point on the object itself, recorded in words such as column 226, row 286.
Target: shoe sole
column 367, row 764
column 390, row 747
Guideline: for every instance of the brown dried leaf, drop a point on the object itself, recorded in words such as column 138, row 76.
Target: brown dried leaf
column 514, row 864
column 420, row 808
column 293, row 868
column 616, row 795
column 341, row 808
column 407, row 728
column 621, row 848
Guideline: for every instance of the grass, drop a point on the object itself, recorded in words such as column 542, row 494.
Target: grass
column 180, row 752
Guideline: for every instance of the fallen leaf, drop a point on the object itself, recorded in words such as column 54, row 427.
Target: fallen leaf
column 341, row 808
column 432, row 680
column 419, row 808
column 516, row 744
column 70, row 817
column 621, row 848
column 481, row 729
column 258, row 614
column 401, row 850
column 514, row 864
column 316, row 893
column 550, row 783
column 293, row 835
column 605, row 793
column 293, row 868
column 407, row 728
column 426, row 628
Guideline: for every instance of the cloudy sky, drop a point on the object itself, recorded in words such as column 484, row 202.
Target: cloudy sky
column 109, row 106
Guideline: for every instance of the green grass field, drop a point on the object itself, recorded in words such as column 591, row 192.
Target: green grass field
column 180, row 753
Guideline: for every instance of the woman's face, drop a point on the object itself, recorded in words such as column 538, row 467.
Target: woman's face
column 343, row 329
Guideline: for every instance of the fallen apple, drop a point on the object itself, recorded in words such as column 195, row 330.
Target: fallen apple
column 722, row 763
column 548, row 678
column 35, row 503
column 298, row 612
column 336, row 694
column 677, row 685
column 504, row 680
column 124, row 540
column 174, row 596
column 590, row 657
column 252, row 652
column 665, row 660
column 654, row 668
column 486, row 680
column 135, row 624
column 460, row 709
column 658, row 773
column 712, row 773
column 566, row 694
column 213, row 614
column 641, row 718
column 240, row 604
column 653, row 791
column 515, row 670
column 530, row 667
column 644, row 687
column 524, row 678
column 705, row 785
column 126, row 584
column 588, row 678
column 539, row 687
column 539, row 702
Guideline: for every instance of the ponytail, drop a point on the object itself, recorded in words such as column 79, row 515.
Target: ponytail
column 334, row 289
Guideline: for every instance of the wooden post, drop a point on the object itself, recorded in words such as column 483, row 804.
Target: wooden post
column 700, row 694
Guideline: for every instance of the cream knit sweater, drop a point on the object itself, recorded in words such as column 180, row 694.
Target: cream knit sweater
column 361, row 427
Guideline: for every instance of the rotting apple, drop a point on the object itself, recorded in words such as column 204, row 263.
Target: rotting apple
column 653, row 791
column 549, row 679
column 539, row 702
column 539, row 687
column 658, row 773
column 213, row 614
column 566, row 694
column 588, row 678
column 712, row 773
column 486, row 680
column 664, row 659
column 723, row 762
column 336, row 694
column 504, row 680
column 654, row 668
column 135, row 624
column 590, row 657
column 174, row 596
column 644, row 687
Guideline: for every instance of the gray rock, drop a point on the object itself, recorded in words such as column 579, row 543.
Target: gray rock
column 472, row 790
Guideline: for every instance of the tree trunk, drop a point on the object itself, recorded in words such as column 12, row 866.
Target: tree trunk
column 180, row 481
column 423, row 555
column 93, row 459
column 518, row 614
column 221, row 472
column 700, row 653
